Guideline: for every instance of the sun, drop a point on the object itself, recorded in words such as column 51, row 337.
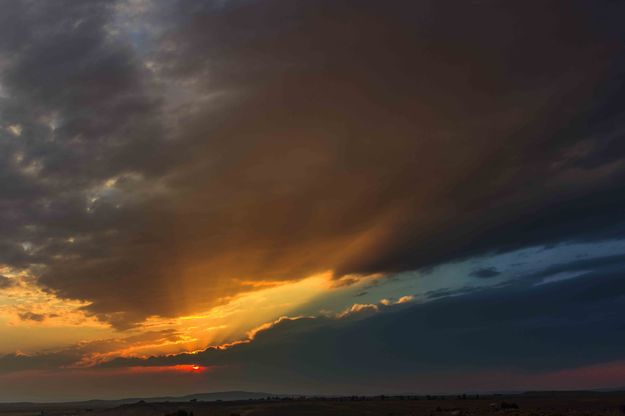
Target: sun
column 195, row 367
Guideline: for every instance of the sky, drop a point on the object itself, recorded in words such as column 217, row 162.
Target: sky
column 310, row 197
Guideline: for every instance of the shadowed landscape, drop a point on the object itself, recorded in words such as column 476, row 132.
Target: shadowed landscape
column 527, row 404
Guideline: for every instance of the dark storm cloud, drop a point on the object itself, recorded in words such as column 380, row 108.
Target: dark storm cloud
column 84, row 114
column 494, row 327
column 275, row 139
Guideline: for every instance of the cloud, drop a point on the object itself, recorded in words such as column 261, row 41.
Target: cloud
column 444, row 292
column 360, row 308
column 485, row 273
column 268, row 141
column 87, row 353
column 31, row 316
column 22, row 362
column 523, row 334
column 601, row 263
column 5, row 282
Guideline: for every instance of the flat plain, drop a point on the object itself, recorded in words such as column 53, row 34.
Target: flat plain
column 491, row 405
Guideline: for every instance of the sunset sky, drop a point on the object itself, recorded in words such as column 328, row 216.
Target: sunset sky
column 310, row 196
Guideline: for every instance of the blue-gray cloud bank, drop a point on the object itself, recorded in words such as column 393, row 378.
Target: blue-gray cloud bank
column 528, row 326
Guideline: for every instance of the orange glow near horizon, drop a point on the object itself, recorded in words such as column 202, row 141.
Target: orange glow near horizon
column 180, row 368
column 234, row 321
column 60, row 320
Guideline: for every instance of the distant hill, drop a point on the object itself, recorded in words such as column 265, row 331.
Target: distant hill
column 229, row 396
column 237, row 395
column 236, row 403
column 208, row 397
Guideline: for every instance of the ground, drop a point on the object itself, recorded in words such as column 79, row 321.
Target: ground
column 534, row 405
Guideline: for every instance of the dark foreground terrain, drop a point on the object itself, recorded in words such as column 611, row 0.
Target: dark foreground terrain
column 493, row 405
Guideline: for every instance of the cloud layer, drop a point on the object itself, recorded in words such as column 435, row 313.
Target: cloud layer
column 538, row 330
column 155, row 157
column 443, row 344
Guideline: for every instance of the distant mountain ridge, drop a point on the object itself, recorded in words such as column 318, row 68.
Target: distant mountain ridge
column 239, row 395
column 232, row 395
column 213, row 396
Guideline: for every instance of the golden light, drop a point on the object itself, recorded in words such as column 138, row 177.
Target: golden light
column 232, row 320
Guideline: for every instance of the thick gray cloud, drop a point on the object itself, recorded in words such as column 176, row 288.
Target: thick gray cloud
column 152, row 158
